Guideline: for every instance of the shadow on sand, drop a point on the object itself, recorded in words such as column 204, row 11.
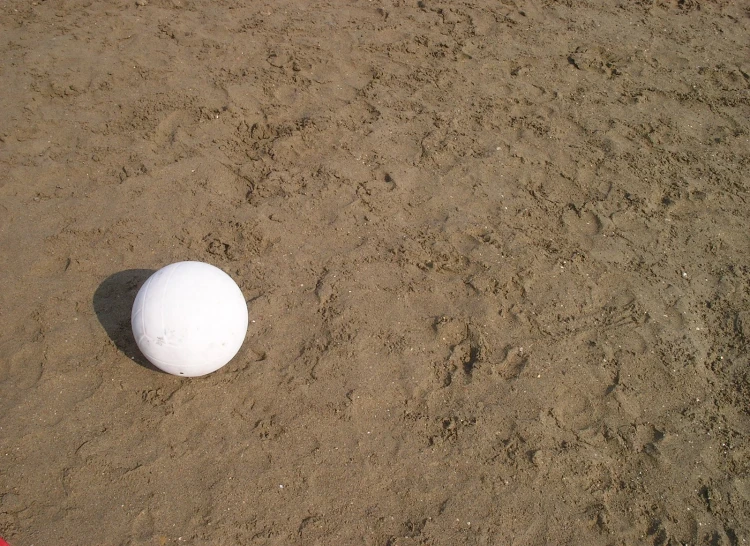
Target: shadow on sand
column 113, row 302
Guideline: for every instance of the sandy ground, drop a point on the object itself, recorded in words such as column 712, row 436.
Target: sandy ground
column 496, row 255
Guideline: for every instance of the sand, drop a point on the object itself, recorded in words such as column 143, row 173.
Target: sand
column 495, row 253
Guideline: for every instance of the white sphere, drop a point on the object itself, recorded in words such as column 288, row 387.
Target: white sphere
column 189, row 318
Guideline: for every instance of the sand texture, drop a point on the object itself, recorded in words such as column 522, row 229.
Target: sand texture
column 496, row 255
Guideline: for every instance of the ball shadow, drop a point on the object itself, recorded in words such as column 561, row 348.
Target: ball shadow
column 113, row 302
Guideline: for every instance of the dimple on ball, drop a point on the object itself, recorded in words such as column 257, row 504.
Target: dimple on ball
column 189, row 319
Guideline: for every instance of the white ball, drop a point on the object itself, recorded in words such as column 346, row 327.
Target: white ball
column 189, row 318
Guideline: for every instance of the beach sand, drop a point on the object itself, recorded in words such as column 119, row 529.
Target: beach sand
column 496, row 256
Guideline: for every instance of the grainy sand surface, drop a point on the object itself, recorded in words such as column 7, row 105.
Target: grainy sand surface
column 496, row 254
